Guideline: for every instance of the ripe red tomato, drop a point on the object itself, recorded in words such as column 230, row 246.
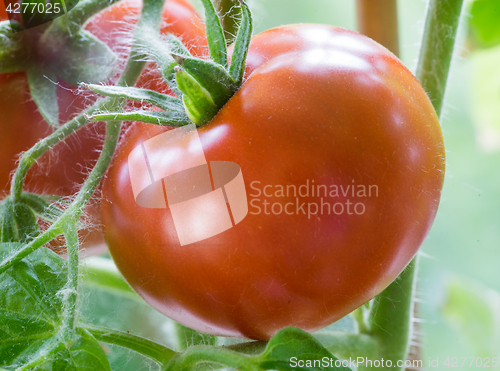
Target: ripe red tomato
column 326, row 116
column 62, row 171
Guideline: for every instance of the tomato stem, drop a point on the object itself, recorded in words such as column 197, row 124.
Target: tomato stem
column 70, row 292
column 204, row 86
column 148, row 348
column 203, row 354
column 441, row 25
column 390, row 316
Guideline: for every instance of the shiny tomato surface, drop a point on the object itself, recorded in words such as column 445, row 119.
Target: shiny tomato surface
column 322, row 108
column 63, row 170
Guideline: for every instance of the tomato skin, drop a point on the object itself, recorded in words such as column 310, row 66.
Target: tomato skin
column 63, row 170
column 340, row 111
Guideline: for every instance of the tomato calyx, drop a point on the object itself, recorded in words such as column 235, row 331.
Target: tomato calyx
column 202, row 86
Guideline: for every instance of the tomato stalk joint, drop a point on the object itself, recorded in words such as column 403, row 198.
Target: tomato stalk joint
column 202, row 86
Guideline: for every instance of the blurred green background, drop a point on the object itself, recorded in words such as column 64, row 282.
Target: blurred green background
column 459, row 276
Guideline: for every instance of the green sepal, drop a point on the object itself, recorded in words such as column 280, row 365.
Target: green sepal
column 8, row 227
column 198, row 103
column 163, row 101
column 27, row 224
column 241, row 45
column 211, row 76
column 43, row 90
column 215, row 34
column 13, row 56
column 80, row 57
column 42, row 206
column 166, row 118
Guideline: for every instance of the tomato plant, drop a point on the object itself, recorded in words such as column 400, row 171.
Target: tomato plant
column 321, row 107
column 322, row 157
column 62, row 171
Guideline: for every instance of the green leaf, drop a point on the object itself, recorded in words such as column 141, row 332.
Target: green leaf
column 87, row 59
column 30, row 304
column 31, row 311
column 166, row 118
column 8, row 226
column 27, row 225
column 163, row 101
column 215, row 34
column 41, row 206
column 13, row 56
column 43, row 90
column 241, row 44
column 84, row 353
column 485, row 21
column 293, row 342
column 474, row 311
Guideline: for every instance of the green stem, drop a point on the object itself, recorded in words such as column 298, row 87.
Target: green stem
column 34, row 153
column 103, row 274
column 73, row 212
column 202, row 354
column 441, row 24
column 389, row 320
column 148, row 348
column 71, row 289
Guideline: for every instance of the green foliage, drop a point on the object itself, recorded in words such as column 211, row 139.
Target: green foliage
column 43, row 91
column 485, row 21
column 35, row 331
column 474, row 311
column 31, row 313
column 289, row 349
column 12, row 52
